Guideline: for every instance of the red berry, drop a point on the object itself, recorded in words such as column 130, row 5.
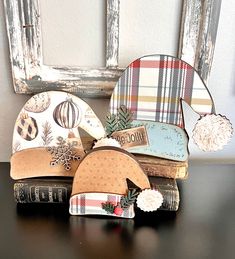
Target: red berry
column 118, row 211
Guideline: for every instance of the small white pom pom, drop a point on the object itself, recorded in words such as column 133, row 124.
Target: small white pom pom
column 212, row 132
column 107, row 142
column 149, row 200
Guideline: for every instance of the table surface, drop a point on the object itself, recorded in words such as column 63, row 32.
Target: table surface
column 204, row 226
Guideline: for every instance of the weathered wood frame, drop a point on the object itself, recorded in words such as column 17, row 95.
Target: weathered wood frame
column 196, row 45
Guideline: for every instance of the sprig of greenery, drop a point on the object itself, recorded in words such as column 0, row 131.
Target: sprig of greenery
column 108, row 207
column 111, row 123
column 122, row 120
column 129, row 199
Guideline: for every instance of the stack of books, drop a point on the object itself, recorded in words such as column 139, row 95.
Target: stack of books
column 162, row 174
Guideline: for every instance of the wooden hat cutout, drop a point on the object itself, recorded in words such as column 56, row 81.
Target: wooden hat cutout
column 153, row 86
column 101, row 178
column 106, row 169
column 152, row 89
column 48, row 122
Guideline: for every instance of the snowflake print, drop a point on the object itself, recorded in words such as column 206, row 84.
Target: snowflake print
column 63, row 153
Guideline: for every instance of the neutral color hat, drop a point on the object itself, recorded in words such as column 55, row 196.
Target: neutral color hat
column 46, row 140
column 100, row 184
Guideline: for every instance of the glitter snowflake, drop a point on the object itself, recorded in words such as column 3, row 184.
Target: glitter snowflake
column 63, row 153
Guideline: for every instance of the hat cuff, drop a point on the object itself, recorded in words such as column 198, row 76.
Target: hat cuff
column 165, row 141
column 35, row 162
column 91, row 204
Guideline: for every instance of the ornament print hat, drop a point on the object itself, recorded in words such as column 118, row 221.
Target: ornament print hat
column 153, row 88
column 100, row 185
column 46, row 141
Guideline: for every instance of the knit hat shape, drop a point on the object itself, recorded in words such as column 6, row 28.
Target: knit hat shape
column 105, row 170
column 46, row 140
column 152, row 87
column 100, row 183
column 48, row 115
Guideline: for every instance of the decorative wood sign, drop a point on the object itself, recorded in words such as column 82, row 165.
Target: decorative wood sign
column 150, row 93
column 152, row 88
column 132, row 137
column 46, row 140
column 166, row 141
column 100, row 185
column 48, row 115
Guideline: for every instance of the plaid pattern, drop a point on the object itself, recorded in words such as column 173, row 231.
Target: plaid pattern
column 91, row 204
column 152, row 88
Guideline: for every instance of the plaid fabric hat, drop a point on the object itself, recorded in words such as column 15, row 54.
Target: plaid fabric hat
column 152, row 87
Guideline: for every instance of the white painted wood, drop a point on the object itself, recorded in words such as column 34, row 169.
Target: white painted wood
column 112, row 45
column 198, row 34
column 30, row 75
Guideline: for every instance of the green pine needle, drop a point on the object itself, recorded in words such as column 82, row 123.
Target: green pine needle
column 122, row 120
column 129, row 199
column 108, row 207
column 124, row 117
column 111, row 123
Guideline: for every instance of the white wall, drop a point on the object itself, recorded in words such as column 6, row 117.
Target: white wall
column 66, row 44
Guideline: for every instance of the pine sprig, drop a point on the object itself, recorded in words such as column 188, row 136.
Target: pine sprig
column 122, row 120
column 46, row 134
column 111, row 123
column 129, row 199
column 108, row 207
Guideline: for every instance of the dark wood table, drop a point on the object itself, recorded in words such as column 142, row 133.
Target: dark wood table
column 204, row 226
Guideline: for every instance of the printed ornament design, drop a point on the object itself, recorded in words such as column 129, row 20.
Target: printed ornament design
column 100, row 184
column 61, row 114
column 152, row 88
column 38, row 103
column 26, row 127
column 47, row 134
column 44, row 118
column 66, row 114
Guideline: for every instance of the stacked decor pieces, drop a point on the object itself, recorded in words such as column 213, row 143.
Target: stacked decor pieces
column 58, row 190
column 47, row 147
column 144, row 141
column 146, row 117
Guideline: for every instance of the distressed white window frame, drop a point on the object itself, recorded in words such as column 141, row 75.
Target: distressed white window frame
column 196, row 46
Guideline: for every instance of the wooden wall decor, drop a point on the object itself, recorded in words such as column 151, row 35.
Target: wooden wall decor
column 31, row 75
column 198, row 34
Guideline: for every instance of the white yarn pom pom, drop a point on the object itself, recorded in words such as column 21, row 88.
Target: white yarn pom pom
column 149, row 200
column 212, row 132
column 107, row 142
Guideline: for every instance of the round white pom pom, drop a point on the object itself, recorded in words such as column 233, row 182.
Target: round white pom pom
column 212, row 132
column 107, row 142
column 149, row 200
